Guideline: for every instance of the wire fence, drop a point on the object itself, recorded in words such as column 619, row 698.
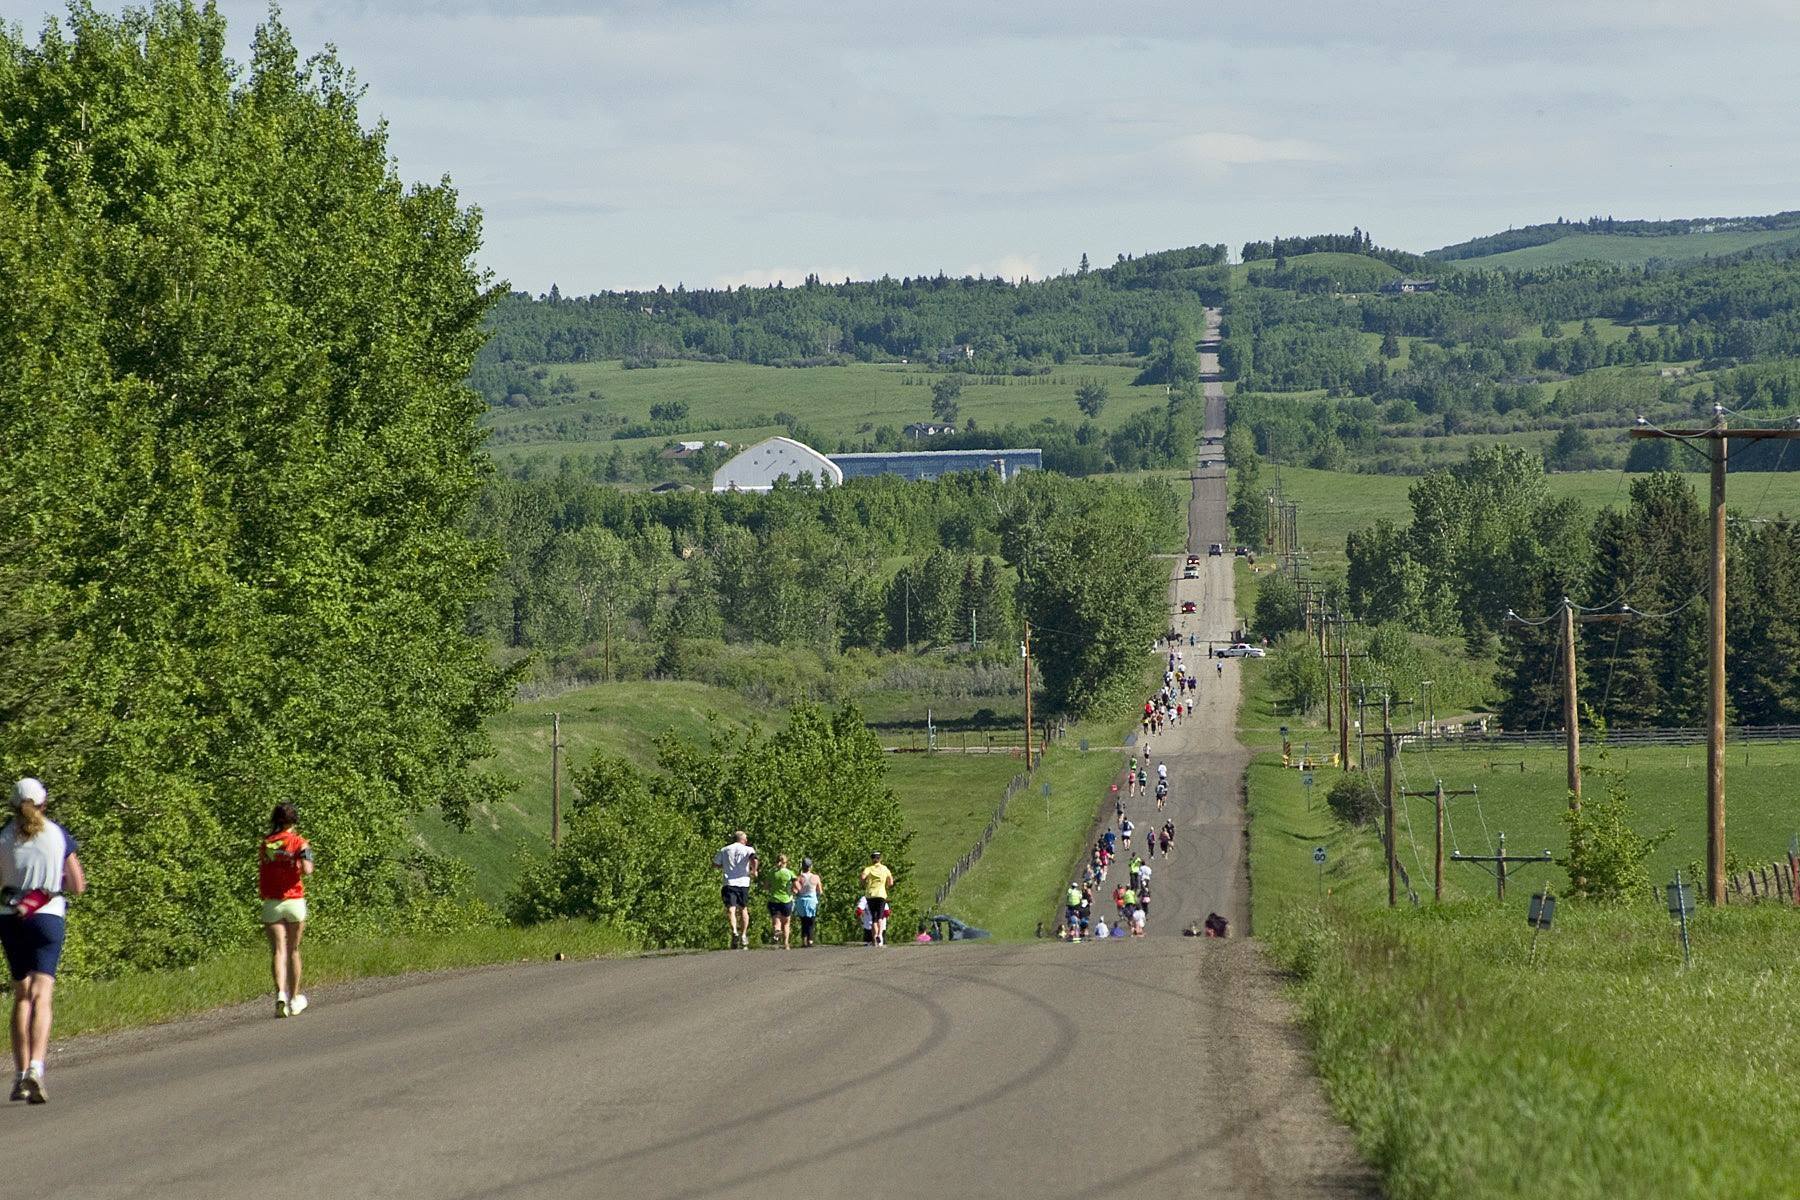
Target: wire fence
column 1467, row 738
column 1018, row 784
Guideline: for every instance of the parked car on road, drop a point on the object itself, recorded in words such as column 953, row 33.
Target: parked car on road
column 1193, row 560
column 1215, row 550
column 945, row 928
column 1240, row 650
column 1188, row 606
column 1191, row 573
column 1242, row 551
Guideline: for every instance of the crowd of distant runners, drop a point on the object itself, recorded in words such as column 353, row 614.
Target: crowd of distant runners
column 1084, row 914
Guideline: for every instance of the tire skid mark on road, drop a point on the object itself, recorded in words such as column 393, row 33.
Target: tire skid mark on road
column 1063, row 1044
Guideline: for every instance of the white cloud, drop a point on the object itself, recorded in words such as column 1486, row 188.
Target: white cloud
column 623, row 141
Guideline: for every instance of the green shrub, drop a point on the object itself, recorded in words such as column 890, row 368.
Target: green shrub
column 1352, row 799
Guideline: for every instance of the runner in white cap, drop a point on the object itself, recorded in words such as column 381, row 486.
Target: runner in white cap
column 38, row 865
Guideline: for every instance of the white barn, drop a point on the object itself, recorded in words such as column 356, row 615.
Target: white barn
column 757, row 469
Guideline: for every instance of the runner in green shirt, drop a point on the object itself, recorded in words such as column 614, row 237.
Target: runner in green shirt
column 780, row 883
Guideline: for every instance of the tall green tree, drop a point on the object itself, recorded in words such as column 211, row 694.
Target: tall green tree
column 236, row 429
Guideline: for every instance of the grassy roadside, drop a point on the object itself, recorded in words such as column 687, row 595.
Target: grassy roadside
column 1467, row 1067
column 154, row 997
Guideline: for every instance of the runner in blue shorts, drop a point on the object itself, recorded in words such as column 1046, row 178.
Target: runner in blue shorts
column 38, row 865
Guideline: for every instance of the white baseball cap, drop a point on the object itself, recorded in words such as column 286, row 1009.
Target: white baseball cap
column 29, row 791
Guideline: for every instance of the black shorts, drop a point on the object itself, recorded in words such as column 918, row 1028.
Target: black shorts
column 778, row 909
column 33, row 944
column 735, row 897
column 877, row 908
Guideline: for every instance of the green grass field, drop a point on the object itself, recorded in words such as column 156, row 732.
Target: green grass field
column 1470, row 1065
column 947, row 798
column 1631, row 251
column 620, row 718
column 736, row 402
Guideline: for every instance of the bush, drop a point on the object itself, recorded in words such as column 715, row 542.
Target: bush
column 1606, row 855
column 1353, row 800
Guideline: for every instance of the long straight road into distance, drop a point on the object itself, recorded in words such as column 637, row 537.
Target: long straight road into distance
column 1157, row 1067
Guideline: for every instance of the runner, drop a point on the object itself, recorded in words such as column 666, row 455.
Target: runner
column 1165, row 840
column 1162, row 772
column 1138, row 917
column 1111, row 839
column 38, row 865
column 1144, row 873
column 739, row 865
column 876, row 880
column 1125, row 828
column 1144, row 899
column 808, row 887
column 1119, row 901
column 1220, row 668
column 283, row 864
column 1162, row 793
column 1072, row 906
column 781, row 900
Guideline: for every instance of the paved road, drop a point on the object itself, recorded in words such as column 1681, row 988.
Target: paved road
column 1161, row 1067
column 1151, row 1068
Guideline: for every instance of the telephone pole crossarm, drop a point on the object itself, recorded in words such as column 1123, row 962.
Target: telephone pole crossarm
column 1438, row 795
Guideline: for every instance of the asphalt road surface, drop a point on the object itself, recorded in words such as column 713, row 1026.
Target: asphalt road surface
column 1158, row 1067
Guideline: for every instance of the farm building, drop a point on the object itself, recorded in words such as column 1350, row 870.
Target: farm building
column 929, row 464
column 757, row 469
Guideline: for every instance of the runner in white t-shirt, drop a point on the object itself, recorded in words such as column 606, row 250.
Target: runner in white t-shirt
column 738, row 862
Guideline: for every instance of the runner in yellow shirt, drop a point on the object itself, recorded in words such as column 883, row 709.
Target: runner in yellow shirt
column 876, row 880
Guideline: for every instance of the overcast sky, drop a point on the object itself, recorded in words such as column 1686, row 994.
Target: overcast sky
column 617, row 143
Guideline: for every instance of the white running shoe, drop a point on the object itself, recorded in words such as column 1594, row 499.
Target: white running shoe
column 33, row 1084
column 296, row 1006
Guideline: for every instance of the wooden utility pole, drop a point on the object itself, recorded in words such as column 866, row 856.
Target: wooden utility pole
column 1719, row 438
column 1571, row 701
column 1025, row 653
column 1438, row 795
column 1387, row 792
column 555, row 779
column 1343, row 657
column 1571, row 721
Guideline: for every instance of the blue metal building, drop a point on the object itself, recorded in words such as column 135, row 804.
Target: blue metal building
column 929, row 464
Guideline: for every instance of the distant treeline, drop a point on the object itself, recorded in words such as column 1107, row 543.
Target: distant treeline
column 1121, row 309
column 1550, row 231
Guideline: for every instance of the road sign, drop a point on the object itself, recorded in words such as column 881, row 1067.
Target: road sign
column 1306, row 777
column 1319, row 855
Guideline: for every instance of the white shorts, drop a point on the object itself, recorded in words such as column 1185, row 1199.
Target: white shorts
column 284, row 912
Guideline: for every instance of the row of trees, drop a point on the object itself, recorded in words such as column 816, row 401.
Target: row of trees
column 239, row 453
column 1113, row 310
column 1486, row 537
column 588, row 571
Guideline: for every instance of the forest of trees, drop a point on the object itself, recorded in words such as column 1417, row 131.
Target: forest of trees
column 611, row 584
column 240, row 454
column 1486, row 538
column 1122, row 309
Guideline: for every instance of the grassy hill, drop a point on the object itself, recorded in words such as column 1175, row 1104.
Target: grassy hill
column 947, row 798
column 738, row 402
column 1634, row 250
